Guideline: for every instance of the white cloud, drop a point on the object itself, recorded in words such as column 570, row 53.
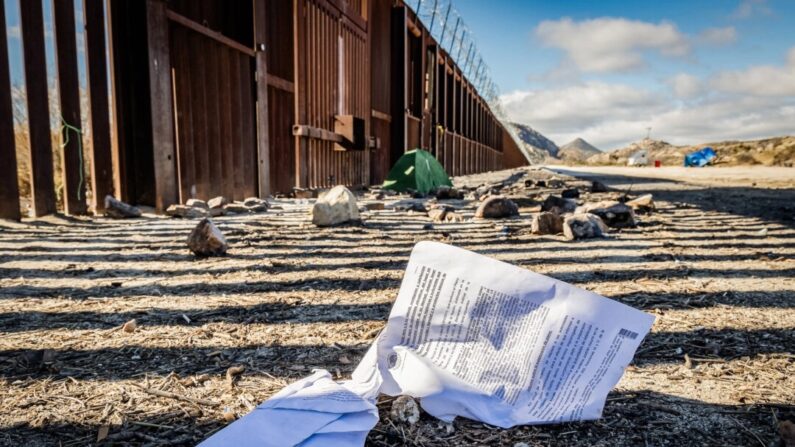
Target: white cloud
column 611, row 44
column 762, row 80
column 686, row 86
column 611, row 116
column 718, row 36
column 750, row 8
column 582, row 105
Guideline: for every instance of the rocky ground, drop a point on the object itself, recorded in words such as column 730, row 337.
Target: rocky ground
column 715, row 263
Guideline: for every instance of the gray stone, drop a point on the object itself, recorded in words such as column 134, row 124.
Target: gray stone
column 558, row 205
column 613, row 213
column 207, row 240
column 547, row 223
column 583, row 226
column 405, row 410
column 497, row 207
column 571, row 193
column 235, row 208
column 255, row 204
column 186, row 211
column 442, row 213
column 642, row 204
column 335, row 207
column 447, row 193
column 415, row 206
column 119, row 210
column 197, row 203
column 217, row 202
column 598, row 187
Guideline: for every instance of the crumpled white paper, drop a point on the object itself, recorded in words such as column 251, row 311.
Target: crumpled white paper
column 469, row 336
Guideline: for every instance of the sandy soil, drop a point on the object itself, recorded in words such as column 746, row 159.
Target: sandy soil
column 715, row 264
column 765, row 176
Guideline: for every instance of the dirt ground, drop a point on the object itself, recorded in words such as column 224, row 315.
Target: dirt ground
column 715, row 264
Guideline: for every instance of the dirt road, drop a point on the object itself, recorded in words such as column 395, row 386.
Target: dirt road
column 762, row 176
column 715, row 264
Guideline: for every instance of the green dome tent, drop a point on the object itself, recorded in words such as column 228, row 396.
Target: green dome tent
column 417, row 170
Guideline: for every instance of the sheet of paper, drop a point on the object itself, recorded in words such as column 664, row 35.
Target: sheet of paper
column 313, row 411
column 475, row 337
column 469, row 336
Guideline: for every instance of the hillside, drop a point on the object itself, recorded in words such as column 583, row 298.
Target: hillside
column 779, row 151
column 578, row 150
column 537, row 147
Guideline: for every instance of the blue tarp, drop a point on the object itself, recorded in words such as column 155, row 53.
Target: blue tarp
column 700, row 158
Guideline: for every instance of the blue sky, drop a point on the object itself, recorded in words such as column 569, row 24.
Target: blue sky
column 694, row 71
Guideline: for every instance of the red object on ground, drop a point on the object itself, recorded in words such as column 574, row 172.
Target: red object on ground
column 657, row 163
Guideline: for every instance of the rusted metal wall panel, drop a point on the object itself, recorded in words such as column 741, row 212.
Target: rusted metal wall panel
column 333, row 57
column 9, row 188
column 69, row 95
column 380, row 30
column 41, row 184
column 279, row 50
column 513, row 157
column 214, row 108
column 413, row 133
column 96, row 68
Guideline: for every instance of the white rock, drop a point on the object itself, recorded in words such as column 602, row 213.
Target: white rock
column 335, row 207
column 644, row 203
column 217, row 202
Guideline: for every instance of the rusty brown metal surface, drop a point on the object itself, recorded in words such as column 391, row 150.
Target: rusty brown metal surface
column 9, row 188
column 329, row 82
column 214, row 106
column 227, row 81
column 279, row 52
column 41, row 184
column 263, row 133
column 96, row 69
column 161, row 97
column 74, row 195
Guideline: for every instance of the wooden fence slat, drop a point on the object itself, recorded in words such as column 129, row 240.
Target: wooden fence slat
column 166, row 189
column 9, row 188
column 69, row 95
column 41, row 184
